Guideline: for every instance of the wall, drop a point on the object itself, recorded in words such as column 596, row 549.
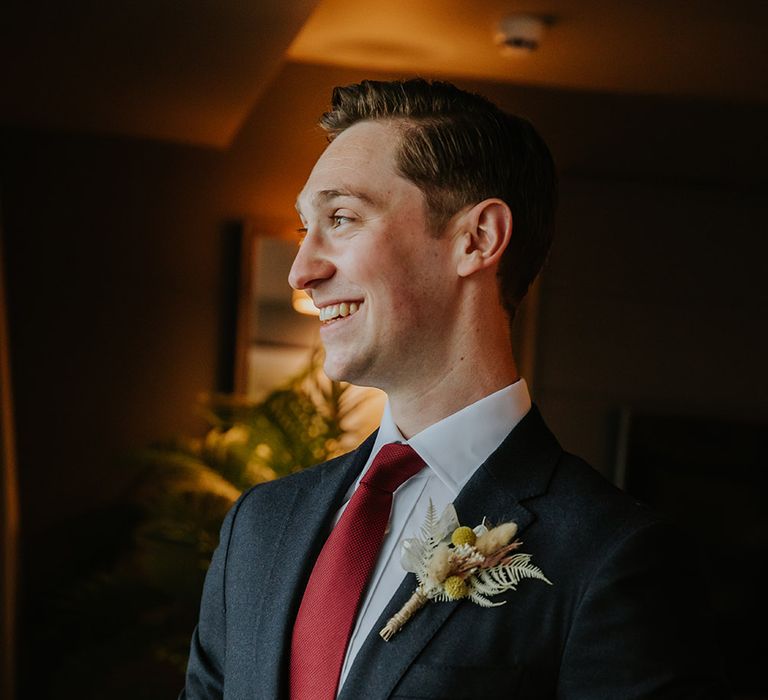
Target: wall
column 113, row 276
column 112, row 280
column 654, row 299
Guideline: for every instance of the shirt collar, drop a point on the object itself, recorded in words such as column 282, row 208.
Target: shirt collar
column 457, row 445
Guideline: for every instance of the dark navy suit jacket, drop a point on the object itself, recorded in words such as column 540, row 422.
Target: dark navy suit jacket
column 622, row 620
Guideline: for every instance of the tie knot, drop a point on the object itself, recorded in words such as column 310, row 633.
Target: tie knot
column 392, row 467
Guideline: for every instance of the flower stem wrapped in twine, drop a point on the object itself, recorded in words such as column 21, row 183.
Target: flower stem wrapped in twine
column 415, row 602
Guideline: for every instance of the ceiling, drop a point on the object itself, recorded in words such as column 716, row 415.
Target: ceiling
column 193, row 71
column 186, row 71
column 669, row 47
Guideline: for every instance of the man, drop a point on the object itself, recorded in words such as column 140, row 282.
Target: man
column 426, row 219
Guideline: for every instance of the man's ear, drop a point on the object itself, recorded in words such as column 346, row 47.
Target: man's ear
column 483, row 234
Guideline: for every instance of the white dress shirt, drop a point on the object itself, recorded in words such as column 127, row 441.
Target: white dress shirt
column 452, row 449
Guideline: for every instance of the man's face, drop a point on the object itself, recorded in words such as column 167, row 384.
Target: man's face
column 371, row 264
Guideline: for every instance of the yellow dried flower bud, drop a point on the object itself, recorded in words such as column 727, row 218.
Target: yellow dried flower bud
column 456, row 587
column 463, row 535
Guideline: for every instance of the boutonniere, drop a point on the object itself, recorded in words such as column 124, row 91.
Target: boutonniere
column 452, row 562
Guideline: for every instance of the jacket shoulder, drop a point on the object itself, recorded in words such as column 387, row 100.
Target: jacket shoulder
column 275, row 497
column 579, row 486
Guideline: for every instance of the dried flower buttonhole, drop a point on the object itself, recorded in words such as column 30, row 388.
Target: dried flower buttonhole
column 453, row 561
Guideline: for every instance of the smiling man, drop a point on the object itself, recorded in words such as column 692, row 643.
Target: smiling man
column 425, row 221
column 425, row 289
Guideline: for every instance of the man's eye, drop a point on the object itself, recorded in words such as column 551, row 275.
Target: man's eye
column 339, row 220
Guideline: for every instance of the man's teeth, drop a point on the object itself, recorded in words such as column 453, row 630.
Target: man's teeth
column 328, row 313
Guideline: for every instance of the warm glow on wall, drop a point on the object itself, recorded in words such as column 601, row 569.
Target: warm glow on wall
column 303, row 304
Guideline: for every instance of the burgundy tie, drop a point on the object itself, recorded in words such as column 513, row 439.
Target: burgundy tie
column 335, row 588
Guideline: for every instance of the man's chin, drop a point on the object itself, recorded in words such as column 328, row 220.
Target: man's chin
column 341, row 371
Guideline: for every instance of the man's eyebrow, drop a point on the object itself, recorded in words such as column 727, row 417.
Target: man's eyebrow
column 326, row 195
column 323, row 196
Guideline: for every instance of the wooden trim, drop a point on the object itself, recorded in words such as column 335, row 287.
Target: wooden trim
column 245, row 295
column 236, row 280
column 9, row 505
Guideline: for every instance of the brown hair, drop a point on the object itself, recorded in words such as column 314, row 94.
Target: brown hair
column 460, row 149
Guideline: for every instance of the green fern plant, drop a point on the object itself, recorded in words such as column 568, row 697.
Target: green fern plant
column 186, row 487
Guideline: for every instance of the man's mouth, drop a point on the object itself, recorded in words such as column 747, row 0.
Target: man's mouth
column 333, row 312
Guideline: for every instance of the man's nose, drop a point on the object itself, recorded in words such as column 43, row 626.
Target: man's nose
column 310, row 266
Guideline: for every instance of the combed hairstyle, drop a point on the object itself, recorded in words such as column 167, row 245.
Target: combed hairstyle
column 460, row 149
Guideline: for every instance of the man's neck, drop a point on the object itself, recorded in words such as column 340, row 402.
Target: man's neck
column 467, row 381
column 472, row 359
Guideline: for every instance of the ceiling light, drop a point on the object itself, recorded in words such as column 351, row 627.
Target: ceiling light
column 519, row 34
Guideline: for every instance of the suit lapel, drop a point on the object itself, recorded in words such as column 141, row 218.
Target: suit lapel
column 303, row 534
column 520, row 469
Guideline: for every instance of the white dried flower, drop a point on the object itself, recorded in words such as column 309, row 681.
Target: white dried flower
column 440, row 564
column 496, row 538
column 467, row 554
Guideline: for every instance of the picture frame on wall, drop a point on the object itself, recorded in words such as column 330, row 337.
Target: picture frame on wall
column 265, row 341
